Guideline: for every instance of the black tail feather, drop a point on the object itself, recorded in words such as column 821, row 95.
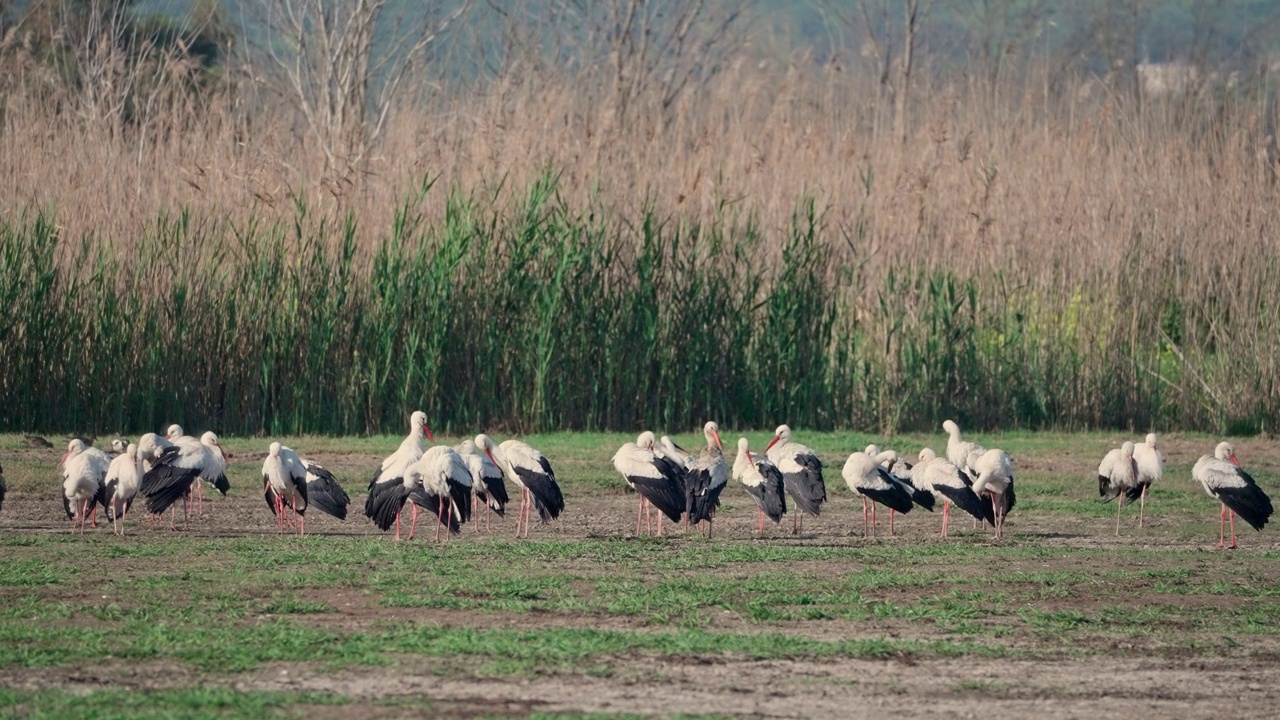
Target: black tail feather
column 387, row 502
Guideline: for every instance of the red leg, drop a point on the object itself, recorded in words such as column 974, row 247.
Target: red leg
column 639, row 513
column 660, row 516
column 865, row 524
column 890, row 522
column 873, row 519
column 1233, row 529
column 1222, row 526
column 302, row 526
column 413, row 525
column 760, row 514
column 1119, row 504
column 439, row 518
column 1142, row 504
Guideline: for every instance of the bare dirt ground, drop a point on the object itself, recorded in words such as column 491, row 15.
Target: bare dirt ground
column 1093, row 676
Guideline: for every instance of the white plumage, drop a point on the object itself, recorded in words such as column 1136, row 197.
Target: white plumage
column 84, row 469
column 440, row 482
column 868, row 476
column 950, row 485
column 658, row 479
column 530, row 470
column 705, row 479
column 1118, row 476
column 178, row 465
column 1150, row 470
column 124, row 475
column 763, row 480
column 486, row 481
column 958, row 449
column 284, row 485
column 390, row 474
column 994, row 470
column 1225, row 481
column 801, row 473
column 674, row 451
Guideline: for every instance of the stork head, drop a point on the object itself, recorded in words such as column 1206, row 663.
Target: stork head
column 743, row 444
column 211, row 439
column 951, row 428
column 646, row 440
column 274, row 450
column 174, row 432
column 1151, row 439
column 872, row 450
column 781, row 435
column 418, row 424
column 711, row 431
column 927, row 454
column 132, row 451
column 1226, row 451
column 74, row 448
column 485, row 443
column 1126, row 450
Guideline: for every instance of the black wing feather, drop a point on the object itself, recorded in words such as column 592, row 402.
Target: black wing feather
column 544, row 489
column 326, row 494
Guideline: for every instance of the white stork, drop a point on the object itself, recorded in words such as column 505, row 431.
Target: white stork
column 84, row 469
column 958, row 450
column 995, row 476
column 284, row 485
column 951, row 485
column 528, row 468
column 900, row 471
column 1228, row 483
column 657, row 479
column 390, row 474
column 801, row 472
column 705, row 479
column 486, row 482
column 865, row 475
column 1150, row 469
column 122, row 480
column 176, row 468
column 674, row 451
column 1118, row 477
column 441, row 483
column 763, row 480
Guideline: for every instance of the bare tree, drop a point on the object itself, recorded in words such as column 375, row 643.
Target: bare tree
column 895, row 63
column 999, row 30
column 665, row 47
column 342, row 63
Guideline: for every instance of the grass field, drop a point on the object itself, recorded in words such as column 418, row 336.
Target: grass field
column 1060, row 619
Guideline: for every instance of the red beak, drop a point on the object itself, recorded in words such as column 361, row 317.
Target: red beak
column 719, row 444
column 749, row 457
column 427, row 430
column 772, row 442
column 64, row 458
column 495, row 462
column 1234, row 461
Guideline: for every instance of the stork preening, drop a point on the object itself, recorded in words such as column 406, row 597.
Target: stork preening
column 1150, row 469
column 486, row 482
column 529, row 469
column 951, row 485
column 994, row 469
column 1228, row 483
column 124, row 475
column 656, row 478
column 441, row 483
column 390, row 474
column 764, row 482
column 958, row 449
column 867, row 476
column 705, row 479
column 1118, row 477
column 284, row 486
column 801, row 474
column 673, row 451
column 84, row 470
column 176, row 467
column 900, row 471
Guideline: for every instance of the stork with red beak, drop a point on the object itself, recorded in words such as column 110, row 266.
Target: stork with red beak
column 529, row 469
column 1228, row 483
column 801, row 474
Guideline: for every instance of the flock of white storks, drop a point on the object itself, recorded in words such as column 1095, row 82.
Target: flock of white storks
column 452, row 483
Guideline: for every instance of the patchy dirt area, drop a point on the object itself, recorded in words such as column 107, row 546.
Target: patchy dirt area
column 1106, row 672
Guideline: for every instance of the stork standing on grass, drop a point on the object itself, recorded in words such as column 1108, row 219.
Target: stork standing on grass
column 995, row 477
column 866, row 476
column 1228, row 483
column 705, row 479
column 124, row 475
column 389, row 477
column 951, row 485
column 486, row 481
column 900, row 471
column 176, row 468
column 801, row 473
column 529, row 469
column 657, row 479
column 763, row 480
column 1150, row 469
column 441, row 483
column 284, row 486
column 84, row 469
column 1117, row 477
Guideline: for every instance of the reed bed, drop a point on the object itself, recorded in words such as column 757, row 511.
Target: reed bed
column 1045, row 253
